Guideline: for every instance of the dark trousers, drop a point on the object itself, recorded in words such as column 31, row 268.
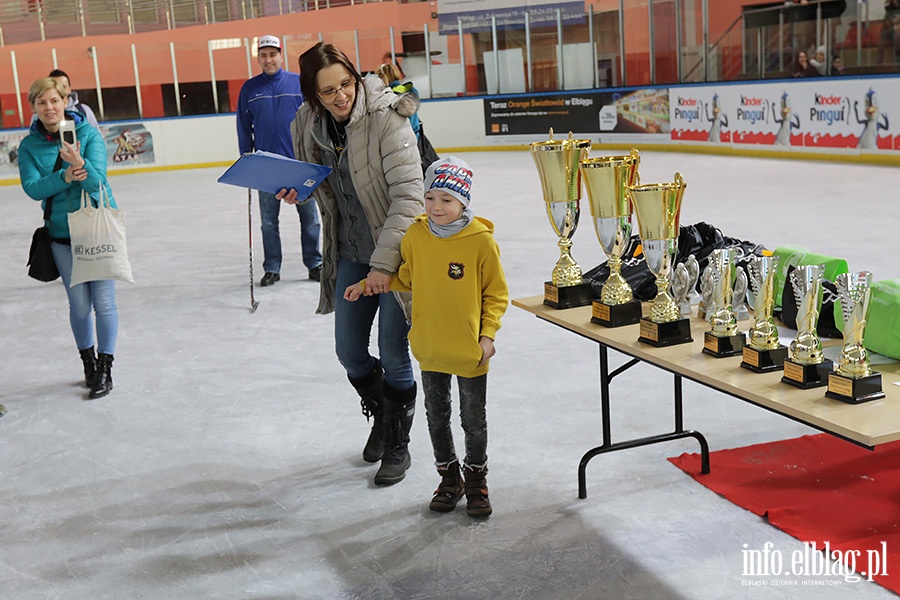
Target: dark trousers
column 472, row 413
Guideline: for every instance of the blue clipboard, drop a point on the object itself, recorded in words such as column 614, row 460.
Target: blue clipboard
column 268, row 172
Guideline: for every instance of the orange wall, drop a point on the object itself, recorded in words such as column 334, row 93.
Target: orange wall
column 114, row 51
column 373, row 20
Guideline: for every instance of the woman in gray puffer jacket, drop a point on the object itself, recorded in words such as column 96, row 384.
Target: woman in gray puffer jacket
column 361, row 130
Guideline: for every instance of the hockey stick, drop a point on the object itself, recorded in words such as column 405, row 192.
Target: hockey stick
column 254, row 303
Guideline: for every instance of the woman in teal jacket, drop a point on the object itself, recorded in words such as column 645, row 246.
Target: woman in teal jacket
column 54, row 173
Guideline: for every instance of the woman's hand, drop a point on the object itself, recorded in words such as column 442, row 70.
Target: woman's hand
column 71, row 154
column 288, row 196
column 75, row 174
column 377, row 283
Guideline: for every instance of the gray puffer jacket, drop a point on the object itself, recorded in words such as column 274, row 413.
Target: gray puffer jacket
column 385, row 169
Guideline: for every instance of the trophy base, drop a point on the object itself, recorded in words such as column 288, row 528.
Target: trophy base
column 854, row 391
column 764, row 361
column 720, row 347
column 569, row 296
column 665, row 334
column 615, row 315
column 806, row 376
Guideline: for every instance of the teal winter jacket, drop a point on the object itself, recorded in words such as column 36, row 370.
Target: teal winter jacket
column 37, row 156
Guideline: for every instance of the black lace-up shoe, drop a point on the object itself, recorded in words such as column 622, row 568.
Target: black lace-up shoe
column 269, row 279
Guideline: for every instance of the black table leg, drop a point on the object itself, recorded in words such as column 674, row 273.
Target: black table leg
column 608, row 446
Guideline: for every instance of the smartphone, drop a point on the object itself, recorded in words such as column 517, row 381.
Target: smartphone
column 67, row 131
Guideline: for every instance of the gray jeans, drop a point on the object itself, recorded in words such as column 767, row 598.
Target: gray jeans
column 472, row 401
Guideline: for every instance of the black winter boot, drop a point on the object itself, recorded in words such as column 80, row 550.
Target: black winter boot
column 450, row 489
column 399, row 408
column 371, row 400
column 90, row 365
column 103, row 382
column 477, row 502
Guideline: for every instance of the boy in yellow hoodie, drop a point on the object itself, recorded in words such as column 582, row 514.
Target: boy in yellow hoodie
column 451, row 264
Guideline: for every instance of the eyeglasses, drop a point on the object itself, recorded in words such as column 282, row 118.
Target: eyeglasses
column 329, row 93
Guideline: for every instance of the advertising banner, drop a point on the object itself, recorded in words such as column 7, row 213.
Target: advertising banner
column 126, row 144
column 812, row 113
column 510, row 14
column 624, row 111
column 9, row 152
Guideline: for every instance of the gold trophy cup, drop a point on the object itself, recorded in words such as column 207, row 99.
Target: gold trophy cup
column 807, row 366
column 606, row 180
column 557, row 163
column 658, row 210
column 764, row 353
column 723, row 338
column 854, row 381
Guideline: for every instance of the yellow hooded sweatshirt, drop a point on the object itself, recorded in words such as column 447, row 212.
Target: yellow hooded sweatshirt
column 458, row 291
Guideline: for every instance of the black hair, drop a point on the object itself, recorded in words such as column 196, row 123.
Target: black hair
column 60, row 73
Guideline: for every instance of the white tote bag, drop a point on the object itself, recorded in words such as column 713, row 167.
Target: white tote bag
column 98, row 241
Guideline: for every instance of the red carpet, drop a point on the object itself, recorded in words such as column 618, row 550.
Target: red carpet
column 818, row 489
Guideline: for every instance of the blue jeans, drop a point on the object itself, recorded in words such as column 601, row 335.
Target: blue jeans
column 97, row 295
column 472, row 415
column 353, row 326
column 269, row 207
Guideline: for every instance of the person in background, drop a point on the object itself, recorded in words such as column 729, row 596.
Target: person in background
column 360, row 129
column 72, row 102
column 391, row 76
column 802, row 68
column 888, row 46
column 819, row 62
column 451, row 264
column 837, row 65
column 267, row 104
column 54, row 173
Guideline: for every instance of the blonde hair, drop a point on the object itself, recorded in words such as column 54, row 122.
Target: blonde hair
column 389, row 73
column 42, row 85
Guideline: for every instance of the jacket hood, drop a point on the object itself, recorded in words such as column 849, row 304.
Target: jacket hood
column 380, row 97
column 38, row 128
column 375, row 97
column 478, row 226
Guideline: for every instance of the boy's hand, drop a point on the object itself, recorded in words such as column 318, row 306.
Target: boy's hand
column 353, row 292
column 487, row 349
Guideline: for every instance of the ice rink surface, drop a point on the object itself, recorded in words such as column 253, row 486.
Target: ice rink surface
column 226, row 463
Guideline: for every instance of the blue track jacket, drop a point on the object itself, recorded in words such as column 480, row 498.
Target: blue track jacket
column 266, row 107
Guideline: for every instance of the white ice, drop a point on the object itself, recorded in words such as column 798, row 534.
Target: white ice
column 226, row 462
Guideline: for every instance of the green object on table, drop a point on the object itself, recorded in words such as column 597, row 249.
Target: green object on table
column 796, row 255
column 883, row 321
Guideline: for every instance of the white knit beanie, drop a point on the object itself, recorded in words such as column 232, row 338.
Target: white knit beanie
column 451, row 175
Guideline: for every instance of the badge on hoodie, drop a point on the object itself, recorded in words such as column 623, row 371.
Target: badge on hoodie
column 456, row 270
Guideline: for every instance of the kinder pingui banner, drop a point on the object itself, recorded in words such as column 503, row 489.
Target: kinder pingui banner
column 811, row 113
column 701, row 114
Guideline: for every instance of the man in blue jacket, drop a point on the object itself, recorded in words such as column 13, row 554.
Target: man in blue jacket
column 266, row 107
